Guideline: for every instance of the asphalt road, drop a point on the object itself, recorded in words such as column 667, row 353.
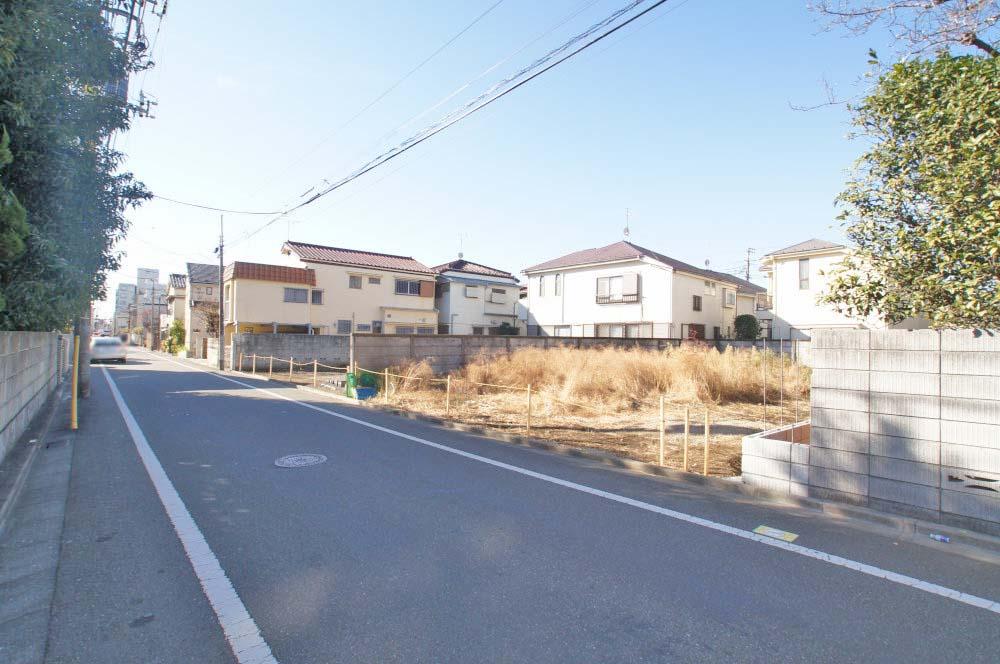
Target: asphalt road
column 398, row 551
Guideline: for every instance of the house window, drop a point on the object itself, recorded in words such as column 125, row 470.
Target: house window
column 343, row 326
column 317, row 297
column 803, row 274
column 296, row 295
column 477, row 330
column 618, row 289
column 558, row 288
column 709, row 288
column 404, row 329
column 407, row 287
column 730, row 298
column 696, row 302
column 541, row 286
column 425, row 330
column 498, row 295
column 377, row 327
column 374, row 281
column 562, row 331
column 364, row 327
column 471, row 291
column 354, row 281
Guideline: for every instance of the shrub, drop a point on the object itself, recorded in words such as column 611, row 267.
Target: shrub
column 747, row 327
column 174, row 342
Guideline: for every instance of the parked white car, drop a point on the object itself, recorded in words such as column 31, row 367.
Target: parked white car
column 107, row 349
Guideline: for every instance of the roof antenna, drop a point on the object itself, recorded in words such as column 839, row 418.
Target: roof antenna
column 461, row 255
column 627, row 232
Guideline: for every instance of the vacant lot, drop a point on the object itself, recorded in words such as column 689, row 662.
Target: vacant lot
column 609, row 398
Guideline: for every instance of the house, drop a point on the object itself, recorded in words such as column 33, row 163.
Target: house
column 366, row 291
column 748, row 297
column 177, row 298
column 269, row 299
column 472, row 298
column 624, row 290
column 203, row 307
column 797, row 277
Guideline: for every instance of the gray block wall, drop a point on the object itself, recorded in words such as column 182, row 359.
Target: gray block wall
column 908, row 421
column 332, row 350
column 31, row 365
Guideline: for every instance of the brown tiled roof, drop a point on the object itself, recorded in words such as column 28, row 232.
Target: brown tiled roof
column 462, row 265
column 317, row 253
column 809, row 245
column 742, row 285
column 178, row 281
column 265, row 272
column 620, row 251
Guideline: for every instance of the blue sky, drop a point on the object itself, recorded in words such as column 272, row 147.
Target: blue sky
column 683, row 117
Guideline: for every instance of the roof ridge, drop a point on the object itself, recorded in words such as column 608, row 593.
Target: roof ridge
column 356, row 251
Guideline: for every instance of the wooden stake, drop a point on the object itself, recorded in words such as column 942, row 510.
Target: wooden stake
column 270, row 366
column 315, row 372
column 253, row 369
column 291, row 366
column 385, row 386
column 528, row 421
column 662, row 429
column 447, row 396
column 781, row 389
column 241, row 362
column 763, row 380
column 704, row 468
column 687, row 434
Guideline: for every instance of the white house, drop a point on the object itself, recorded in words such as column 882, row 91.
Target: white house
column 474, row 299
column 797, row 277
column 624, row 290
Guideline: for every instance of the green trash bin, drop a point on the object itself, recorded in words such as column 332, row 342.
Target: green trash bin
column 352, row 382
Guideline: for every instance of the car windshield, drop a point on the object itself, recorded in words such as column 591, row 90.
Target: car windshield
column 107, row 341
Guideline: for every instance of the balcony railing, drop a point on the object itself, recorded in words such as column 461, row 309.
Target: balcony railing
column 763, row 302
column 617, row 299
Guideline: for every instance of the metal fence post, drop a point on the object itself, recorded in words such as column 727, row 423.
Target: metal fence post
column 447, row 396
column 687, row 434
column 291, row 367
column 270, row 366
column 253, row 369
column 315, row 372
column 528, row 421
column 241, row 362
column 662, row 429
column 704, row 469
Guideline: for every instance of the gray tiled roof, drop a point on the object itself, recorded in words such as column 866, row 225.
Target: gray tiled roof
column 462, row 265
column 809, row 245
column 203, row 273
column 178, row 281
column 625, row 251
column 317, row 253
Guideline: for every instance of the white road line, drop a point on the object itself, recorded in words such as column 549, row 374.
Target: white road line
column 240, row 629
column 839, row 561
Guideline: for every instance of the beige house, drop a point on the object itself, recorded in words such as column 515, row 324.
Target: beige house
column 269, row 299
column 203, row 306
column 177, row 299
column 364, row 291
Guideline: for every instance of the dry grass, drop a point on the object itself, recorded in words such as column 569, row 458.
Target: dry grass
column 609, row 398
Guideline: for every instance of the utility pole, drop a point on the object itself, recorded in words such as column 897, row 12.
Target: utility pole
column 222, row 325
column 749, row 254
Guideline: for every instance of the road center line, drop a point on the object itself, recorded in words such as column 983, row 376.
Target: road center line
column 240, row 630
column 839, row 561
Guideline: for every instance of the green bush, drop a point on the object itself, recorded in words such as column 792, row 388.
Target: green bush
column 747, row 327
column 175, row 338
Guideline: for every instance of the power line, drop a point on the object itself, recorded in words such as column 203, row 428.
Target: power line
column 388, row 90
column 216, row 209
column 492, row 95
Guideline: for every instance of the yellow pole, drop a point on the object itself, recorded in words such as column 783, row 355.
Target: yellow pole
column 385, row 385
column 704, row 468
column 687, row 434
column 315, row 372
column 447, row 396
column 291, row 366
column 270, row 366
column 662, row 429
column 529, row 408
column 76, row 382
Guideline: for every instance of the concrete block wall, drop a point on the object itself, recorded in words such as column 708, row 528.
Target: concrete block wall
column 777, row 465
column 329, row 349
column 31, row 365
column 909, row 422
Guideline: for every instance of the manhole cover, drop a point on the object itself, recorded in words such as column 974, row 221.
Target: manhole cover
column 299, row 460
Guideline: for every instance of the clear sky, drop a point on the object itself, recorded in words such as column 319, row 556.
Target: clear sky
column 684, row 117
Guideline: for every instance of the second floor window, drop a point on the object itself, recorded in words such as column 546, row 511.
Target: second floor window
column 317, row 297
column 803, row 274
column 696, row 302
column 558, row 288
column 541, row 286
column 343, row 326
column 407, row 287
column 296, row 295
column 354, row 281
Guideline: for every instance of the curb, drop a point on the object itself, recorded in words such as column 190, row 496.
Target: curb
column 918, row 531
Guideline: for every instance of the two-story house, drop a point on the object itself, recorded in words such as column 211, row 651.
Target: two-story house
column 202, row 308
column 366, row 291
column 797, row 277
column 475, row 299
column 624, row 290
column 177, row 298
column 269, row 299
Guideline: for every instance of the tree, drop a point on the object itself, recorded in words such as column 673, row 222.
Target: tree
column 209, row 313
column 175, row 337
column 57, row 61
column 925, row 26
column 747, row 327
column 923, row 204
